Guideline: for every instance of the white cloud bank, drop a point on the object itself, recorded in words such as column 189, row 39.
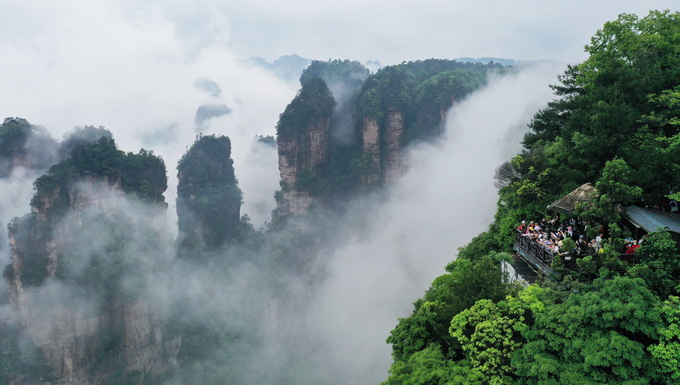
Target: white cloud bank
column 445, row 199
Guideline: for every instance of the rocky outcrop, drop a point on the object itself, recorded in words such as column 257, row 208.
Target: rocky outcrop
column 76, row 279
column 382, row 149
column 375, row 118
column 303, row 139
column 84, row 346
column 306, row 152
column 393, row 167
column 208, row 196
column 370, row 135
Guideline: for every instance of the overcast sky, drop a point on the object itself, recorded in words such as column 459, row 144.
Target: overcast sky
column 132, row 65
column 397, row 30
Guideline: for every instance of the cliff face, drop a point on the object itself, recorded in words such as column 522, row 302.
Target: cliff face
column 371, row 140
column 303, row 139
column 383, row 149
column 307, row 152
column 394, row 130
column 76, row 278
column 82, row 347
column 208, row 196
column 330, row 148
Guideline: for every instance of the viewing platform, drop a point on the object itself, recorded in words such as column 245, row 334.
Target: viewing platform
column 537, row 257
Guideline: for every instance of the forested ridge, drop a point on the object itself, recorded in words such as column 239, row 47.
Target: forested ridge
column 614, row 123
column 362, row 122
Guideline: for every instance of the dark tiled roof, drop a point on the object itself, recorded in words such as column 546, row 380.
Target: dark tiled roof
column 651, row 220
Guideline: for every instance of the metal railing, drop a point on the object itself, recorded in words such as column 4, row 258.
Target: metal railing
column 544, row 257
column 532, row 247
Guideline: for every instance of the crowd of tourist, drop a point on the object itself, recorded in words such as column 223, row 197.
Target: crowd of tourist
column 559, row 236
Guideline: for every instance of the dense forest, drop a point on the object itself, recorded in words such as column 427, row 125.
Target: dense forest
column 224, row 302
column 614, row 123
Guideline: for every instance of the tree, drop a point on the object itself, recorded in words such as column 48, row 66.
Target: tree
column 618, row 104
column 659, row 264
column 666, row 353
column 428, row 326
column 505, row 174
column 490, row 332
column 597, row 336
column 430, row 367
column 208, row 197
column 314, row 101
column 614, row 190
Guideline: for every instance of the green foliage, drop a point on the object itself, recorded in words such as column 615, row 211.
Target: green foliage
column 141, row 175
column 314, row 102
column 350, row 74
column 666, row 353
column 430, row 367
column 664, row 118
column 22, row 143
column 208, row 196
column 568, row 245
column 308, row 180
column 144, row 176
column 614, row 190
column 597, row 336
column 424, row 327
column 487, row 338
column 616, row 106
column 467, row 282
column 14, row 134
column 659, row 264
column 490, row 332
column 81, row 136
column 480, row 245
column 614, row 123
column 446, row 87
column 420, row 90
column 656, row 163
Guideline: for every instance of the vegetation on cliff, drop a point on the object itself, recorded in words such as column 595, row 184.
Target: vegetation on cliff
column 421, row 91
column 351, row 74
column 139, row 175
column 26, row 145
column 142, row 175
column 614, row 124
column 91, row 241
column 208, row 196
column 314, row 102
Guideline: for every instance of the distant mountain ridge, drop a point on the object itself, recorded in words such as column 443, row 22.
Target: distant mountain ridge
column 290, row 67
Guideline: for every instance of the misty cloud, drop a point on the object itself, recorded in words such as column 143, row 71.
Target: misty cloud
column 17, row 191
column 209, row 86
column 209, row 111
column 446, row 198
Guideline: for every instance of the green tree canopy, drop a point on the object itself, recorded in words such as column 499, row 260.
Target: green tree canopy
column 597, row 336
